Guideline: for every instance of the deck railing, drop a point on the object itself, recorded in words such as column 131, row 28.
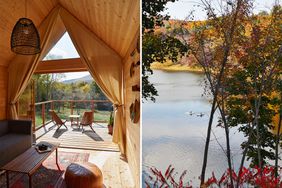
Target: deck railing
column 64, row 108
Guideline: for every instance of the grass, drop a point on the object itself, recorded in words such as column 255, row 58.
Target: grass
column 99, row 115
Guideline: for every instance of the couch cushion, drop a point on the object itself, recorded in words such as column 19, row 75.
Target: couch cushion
column 3, row 127
column 13, row 145
column 20, row 126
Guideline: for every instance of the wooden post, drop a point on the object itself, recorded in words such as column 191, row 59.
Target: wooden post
column 92, row 108
column 32, row 106
column 71, row 105
column 43, row 114
column 52, row 105
column 33, row 116
column 52, row 108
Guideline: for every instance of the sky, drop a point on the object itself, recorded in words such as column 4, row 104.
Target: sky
column 181, row 8
column 66, row 49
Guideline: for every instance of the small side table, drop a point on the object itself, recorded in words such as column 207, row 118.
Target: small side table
column 72, row 117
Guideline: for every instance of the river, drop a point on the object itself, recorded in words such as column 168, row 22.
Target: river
column 172, row 136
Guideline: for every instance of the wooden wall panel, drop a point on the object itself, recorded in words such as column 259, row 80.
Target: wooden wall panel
column 60, row 66
column 115, row 22
column 132, row 129
column 3, row 91
column 10, row 12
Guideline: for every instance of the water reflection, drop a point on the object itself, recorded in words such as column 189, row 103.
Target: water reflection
column 171, row 136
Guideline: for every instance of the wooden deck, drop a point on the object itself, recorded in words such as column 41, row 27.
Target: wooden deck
column 74, row 138
column 103, row 152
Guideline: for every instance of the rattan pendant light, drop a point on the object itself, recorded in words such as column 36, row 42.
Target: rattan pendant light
column 25, row 38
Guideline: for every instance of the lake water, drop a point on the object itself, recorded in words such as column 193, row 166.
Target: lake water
column 172, row 136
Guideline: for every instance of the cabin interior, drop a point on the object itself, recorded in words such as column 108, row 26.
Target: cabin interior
column 106, row 36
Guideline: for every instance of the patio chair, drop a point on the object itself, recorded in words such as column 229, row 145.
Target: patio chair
column 87, row 120
column 57, row 120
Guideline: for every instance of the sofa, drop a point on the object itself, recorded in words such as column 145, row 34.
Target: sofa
column 15, row 138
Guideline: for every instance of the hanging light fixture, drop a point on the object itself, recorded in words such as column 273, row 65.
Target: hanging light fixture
column 25, row 38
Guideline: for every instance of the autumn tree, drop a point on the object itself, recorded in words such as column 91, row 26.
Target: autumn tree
column 156, row 47
column 213, row 45
column 255, row 88
column 240, row 55
column 45, row 85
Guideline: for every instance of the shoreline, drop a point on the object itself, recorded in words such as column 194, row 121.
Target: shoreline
column 169, row 67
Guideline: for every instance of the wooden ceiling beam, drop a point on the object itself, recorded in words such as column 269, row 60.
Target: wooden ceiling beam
column 114, row 22
column 60, row 66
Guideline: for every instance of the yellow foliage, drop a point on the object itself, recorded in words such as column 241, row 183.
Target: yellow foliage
column 275, row 123
column 86, row 88
column 169, row 66
column 275, row 119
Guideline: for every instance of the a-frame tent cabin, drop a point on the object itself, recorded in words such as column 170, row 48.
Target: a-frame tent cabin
column 105, row 34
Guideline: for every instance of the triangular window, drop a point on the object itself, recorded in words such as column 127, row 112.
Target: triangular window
column 63, row 49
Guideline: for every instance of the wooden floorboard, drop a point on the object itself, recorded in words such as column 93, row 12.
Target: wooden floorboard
column 115, row 170
column 75, row 139
column 103, row 152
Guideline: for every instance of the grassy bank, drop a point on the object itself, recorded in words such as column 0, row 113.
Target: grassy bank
column 168, row 66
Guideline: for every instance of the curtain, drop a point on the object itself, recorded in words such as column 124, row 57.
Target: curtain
column 22, row 67
column 103, row 63
column 105, row 66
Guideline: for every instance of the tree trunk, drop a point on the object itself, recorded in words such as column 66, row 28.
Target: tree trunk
column 277, row 145
column 228, row 150
column 243, row 157
column 257, row 109
column 213, row 109
column 218, row 84
column 241, row 165
column 204, row 166
column 258, row 141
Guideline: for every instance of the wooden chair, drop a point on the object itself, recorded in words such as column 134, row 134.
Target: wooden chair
column 87, row 120
column 57, row 120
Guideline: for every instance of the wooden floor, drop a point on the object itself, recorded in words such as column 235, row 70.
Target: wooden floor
column 115, row 170
column 74, row 138
column 102, row 151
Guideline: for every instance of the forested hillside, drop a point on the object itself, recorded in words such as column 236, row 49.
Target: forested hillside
column 49, row 87
column 182, row 30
